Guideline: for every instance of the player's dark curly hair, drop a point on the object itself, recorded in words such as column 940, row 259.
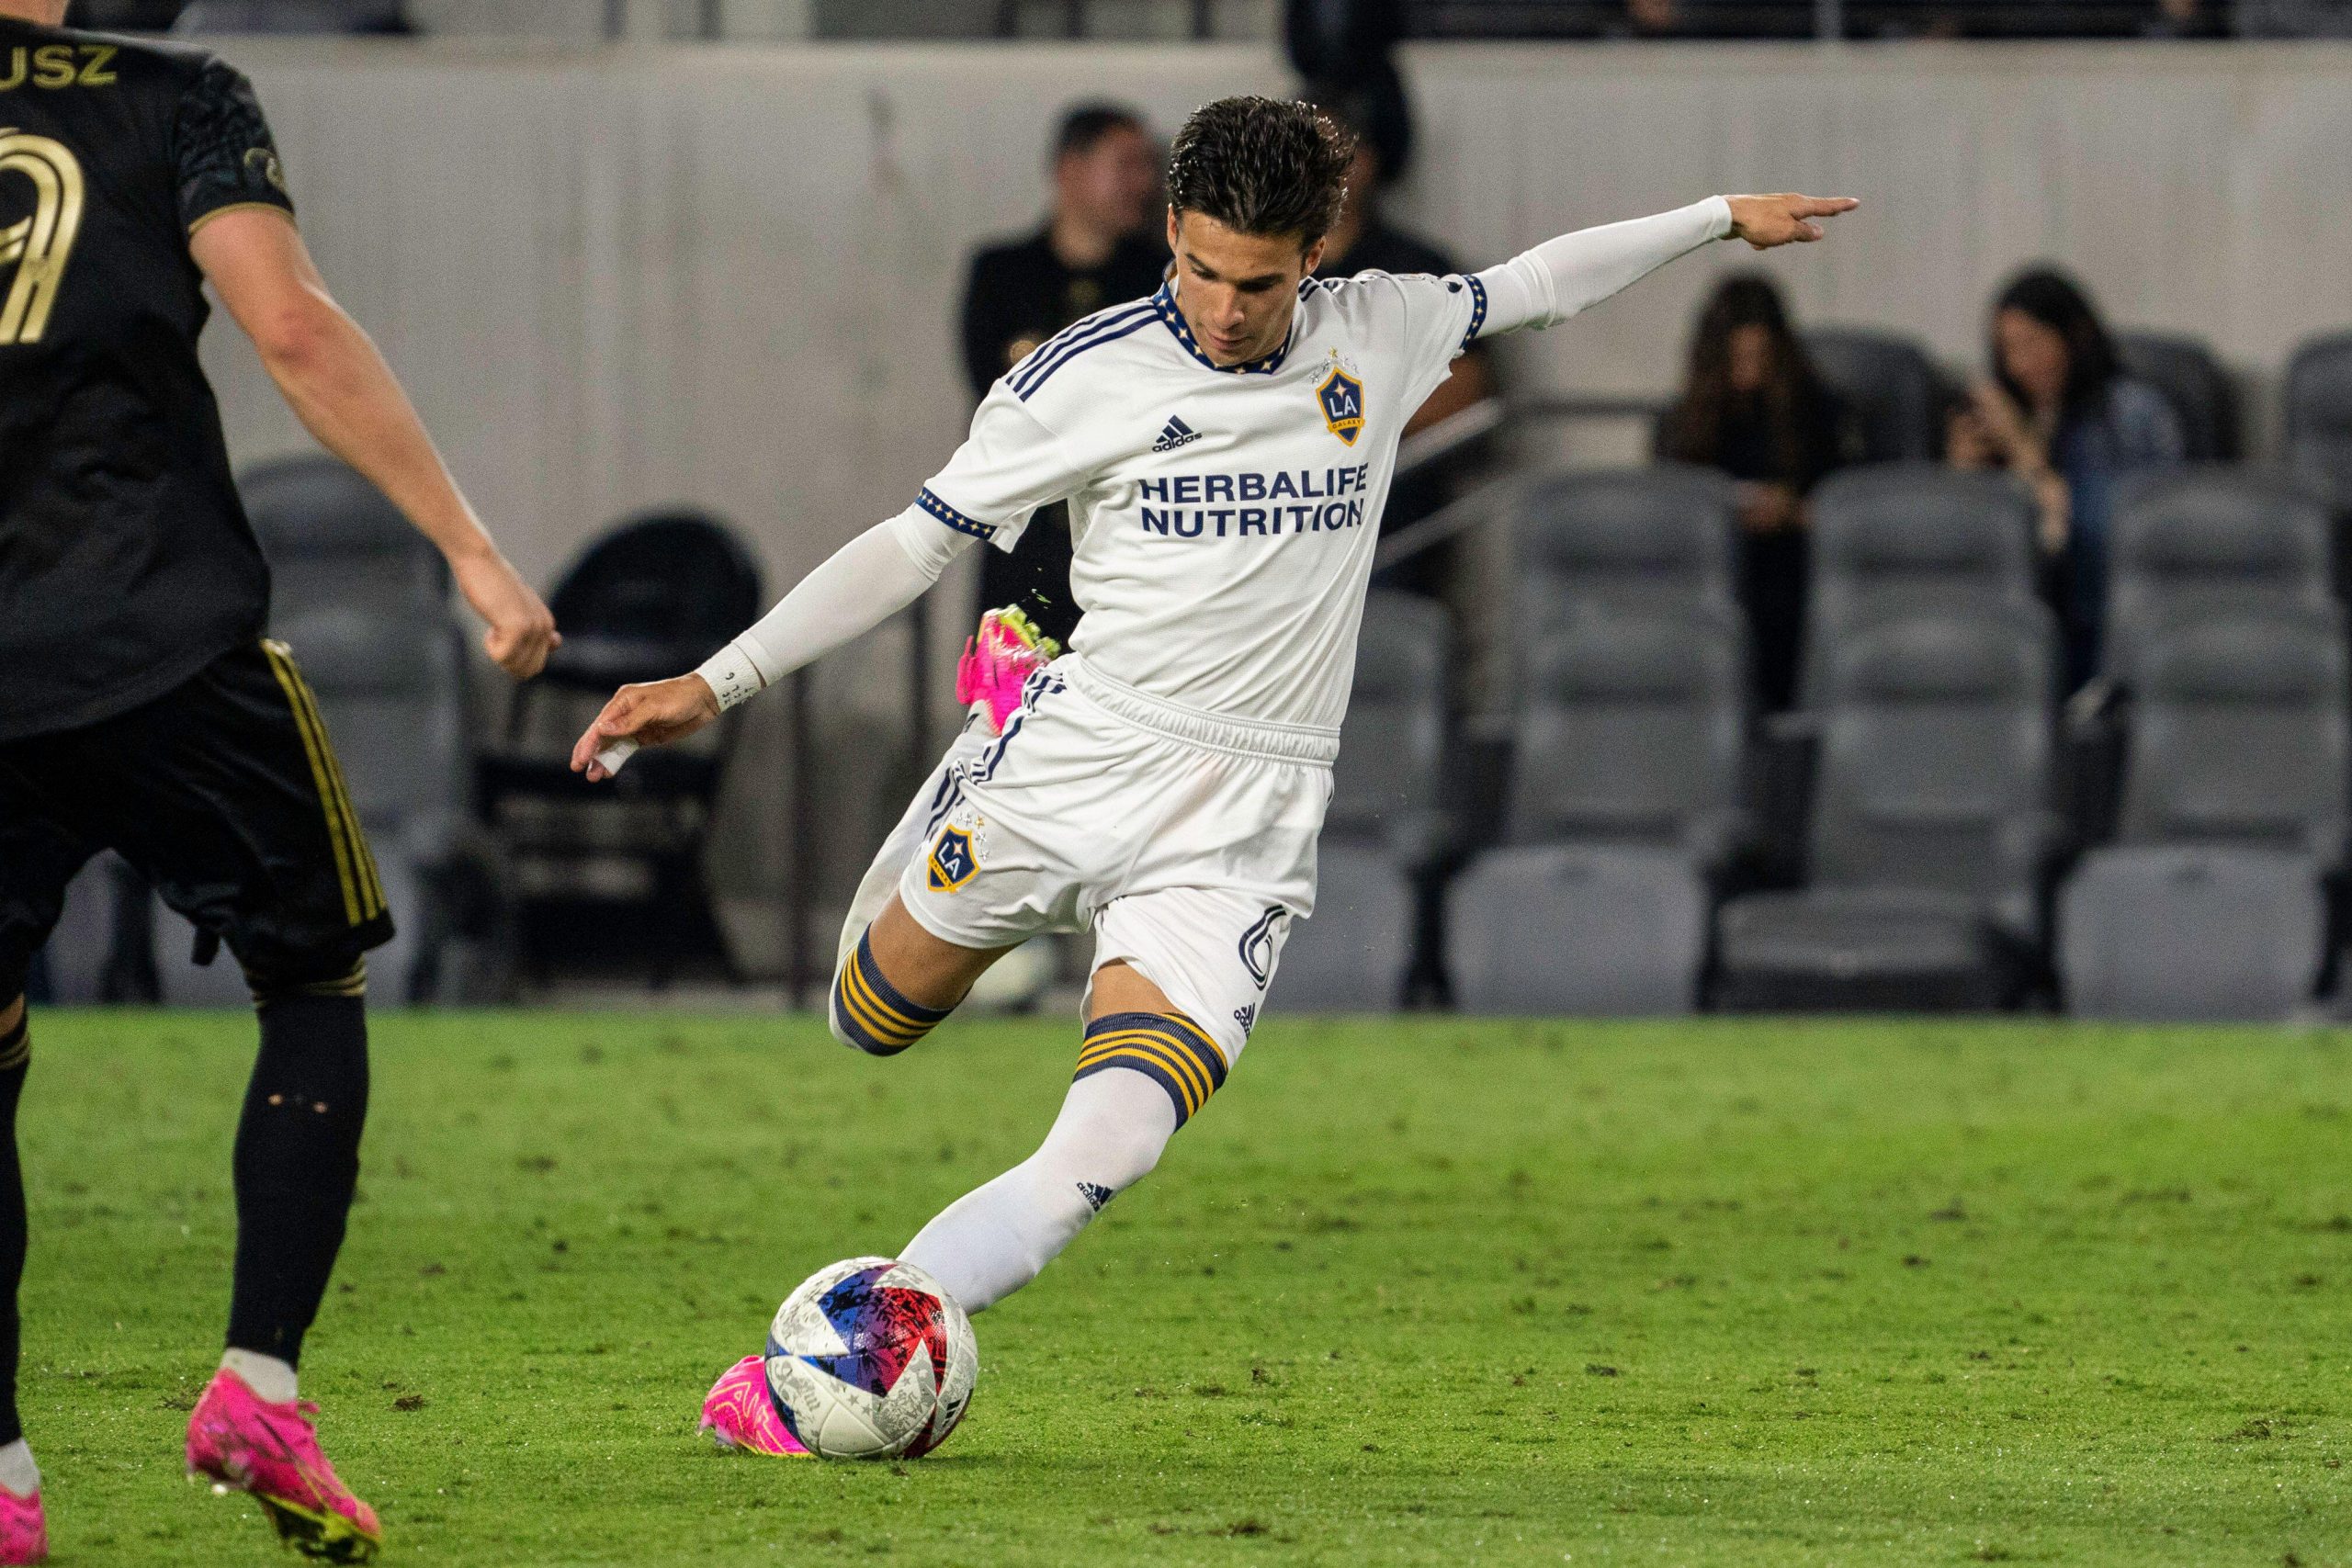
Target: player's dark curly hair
column 1262, row 166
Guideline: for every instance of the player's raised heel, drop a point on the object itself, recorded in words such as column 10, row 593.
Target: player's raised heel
column 243, row 1443
column 24, row 1532
column 740, row 1412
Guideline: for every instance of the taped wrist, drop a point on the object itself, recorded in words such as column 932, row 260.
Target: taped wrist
column 1167, row 1048
column 731, row 676
column 874, row 1015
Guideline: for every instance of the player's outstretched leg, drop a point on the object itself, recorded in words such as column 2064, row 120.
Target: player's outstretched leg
column 1144, row 1071
column 24, row 1533
column 297, row 1167
column 899, row 982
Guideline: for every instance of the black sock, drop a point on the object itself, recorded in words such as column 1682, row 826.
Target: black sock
column 296, row 1165
column 16, row 1057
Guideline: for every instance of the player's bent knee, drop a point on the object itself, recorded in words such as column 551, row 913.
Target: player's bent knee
column 872, row 1014
column 1167, row 1048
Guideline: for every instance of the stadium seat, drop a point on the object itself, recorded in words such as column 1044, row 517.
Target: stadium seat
column 363, row 600
column 2191, row 543
column 1386, row 831
column 1929, row 829
column 2211, row 903
column 2319, row 415
column 2184, row 369
column 1625, row 806
column 614, row 873
column 1622, row 539
column 1895, row 539
column 1889, row 384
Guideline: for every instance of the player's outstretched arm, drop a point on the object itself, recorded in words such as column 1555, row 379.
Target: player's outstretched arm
column 1562, row 278
column 339, row 386
column 873, row 576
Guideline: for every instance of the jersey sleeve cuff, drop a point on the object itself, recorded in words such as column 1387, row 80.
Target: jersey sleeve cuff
column 1477, row 312
column 283, row 209
column 939, row 511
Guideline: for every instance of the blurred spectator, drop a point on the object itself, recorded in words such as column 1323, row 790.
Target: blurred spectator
column 2060, row 412
column 1752, row 406
column 1099, row 245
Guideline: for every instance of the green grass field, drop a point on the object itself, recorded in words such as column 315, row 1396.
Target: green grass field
column 1418, row 1291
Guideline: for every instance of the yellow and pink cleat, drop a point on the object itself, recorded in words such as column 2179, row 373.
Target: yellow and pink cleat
column 740, row 1412
column 24, row 1533
column 998, row 662
column 243, row 1443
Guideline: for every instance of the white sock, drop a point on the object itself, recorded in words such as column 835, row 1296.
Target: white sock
column 989, row 1243
column 265, row 1375
column 19, row 1474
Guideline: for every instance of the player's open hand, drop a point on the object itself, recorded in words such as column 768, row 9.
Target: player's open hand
column 522, row 629
column 653, row 714
column 1787, row 218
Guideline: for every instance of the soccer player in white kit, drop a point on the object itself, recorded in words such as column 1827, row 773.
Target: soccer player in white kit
column 1224, row 447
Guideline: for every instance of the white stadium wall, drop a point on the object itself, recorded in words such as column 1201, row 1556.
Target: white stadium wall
column 614, row 277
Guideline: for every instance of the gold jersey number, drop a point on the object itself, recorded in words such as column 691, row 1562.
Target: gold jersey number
column 38, row 246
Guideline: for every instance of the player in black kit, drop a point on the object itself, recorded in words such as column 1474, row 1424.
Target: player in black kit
column 141, row 709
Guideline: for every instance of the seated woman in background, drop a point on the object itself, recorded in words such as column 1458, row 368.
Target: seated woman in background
column 2060, row 412
column 1753, row 407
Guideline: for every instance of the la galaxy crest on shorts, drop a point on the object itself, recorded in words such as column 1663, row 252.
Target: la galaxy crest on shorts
column 954, row 859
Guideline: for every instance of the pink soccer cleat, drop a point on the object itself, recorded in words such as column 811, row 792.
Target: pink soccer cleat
column 245, row 1444
column 740, row 1412
column 999, row 662
column 24, row 1533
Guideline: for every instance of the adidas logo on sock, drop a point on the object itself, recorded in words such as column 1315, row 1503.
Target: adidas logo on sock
column 1176, row 435
column 1096, row 1196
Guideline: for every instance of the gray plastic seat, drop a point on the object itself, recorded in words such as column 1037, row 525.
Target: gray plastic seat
column 1386, row 828
column 1623, row 539
column 1895, row 539
column 2319, row 415
column 2184, row 369
column 1891, row 385
column 2191, row 932
column 1930, row 832
column 2212, row 903
column 2191, row 544
column 1626, row 801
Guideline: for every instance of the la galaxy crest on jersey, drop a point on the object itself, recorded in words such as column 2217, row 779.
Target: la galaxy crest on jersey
column 1341, row 394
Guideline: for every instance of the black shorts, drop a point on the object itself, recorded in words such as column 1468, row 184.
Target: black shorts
column 225, row 795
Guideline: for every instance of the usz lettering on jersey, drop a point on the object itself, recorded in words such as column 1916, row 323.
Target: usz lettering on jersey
column 54, row 65
column 1315, row 502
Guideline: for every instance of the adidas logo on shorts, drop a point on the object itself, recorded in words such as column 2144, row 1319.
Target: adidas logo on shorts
column 1178, row 433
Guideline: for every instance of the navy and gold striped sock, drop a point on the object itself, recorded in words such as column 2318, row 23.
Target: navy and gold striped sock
column 1168, row 1048
column 874, row 1015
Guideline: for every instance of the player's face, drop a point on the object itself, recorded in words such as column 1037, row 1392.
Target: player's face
column 1236, row 290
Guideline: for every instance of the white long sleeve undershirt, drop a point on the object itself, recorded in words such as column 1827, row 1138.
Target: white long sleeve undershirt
column 887, row 567
column 1561, row 277
column 878, row 573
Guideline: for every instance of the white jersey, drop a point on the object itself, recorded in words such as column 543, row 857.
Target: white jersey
column 1223, row 517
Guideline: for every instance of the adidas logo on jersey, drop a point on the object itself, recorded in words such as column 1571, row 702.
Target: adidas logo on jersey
column 1178, row 433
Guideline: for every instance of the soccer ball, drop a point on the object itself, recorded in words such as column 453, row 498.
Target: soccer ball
column 870, row 1358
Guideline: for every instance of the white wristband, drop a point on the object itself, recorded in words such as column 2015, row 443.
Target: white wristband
column 731, row 676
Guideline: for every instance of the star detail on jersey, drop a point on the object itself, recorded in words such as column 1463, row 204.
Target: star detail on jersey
column 1177, row 434
column 1341, row 396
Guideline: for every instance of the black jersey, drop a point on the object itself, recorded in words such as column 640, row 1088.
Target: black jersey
column 125, row 561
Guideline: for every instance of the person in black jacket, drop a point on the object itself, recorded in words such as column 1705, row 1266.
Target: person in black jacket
column 1098, row 246
column 1753, row 407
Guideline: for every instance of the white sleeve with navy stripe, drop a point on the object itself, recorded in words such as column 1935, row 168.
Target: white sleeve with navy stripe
column 1007, row 466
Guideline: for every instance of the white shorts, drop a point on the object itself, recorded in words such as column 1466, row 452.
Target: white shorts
column 1185, row 840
